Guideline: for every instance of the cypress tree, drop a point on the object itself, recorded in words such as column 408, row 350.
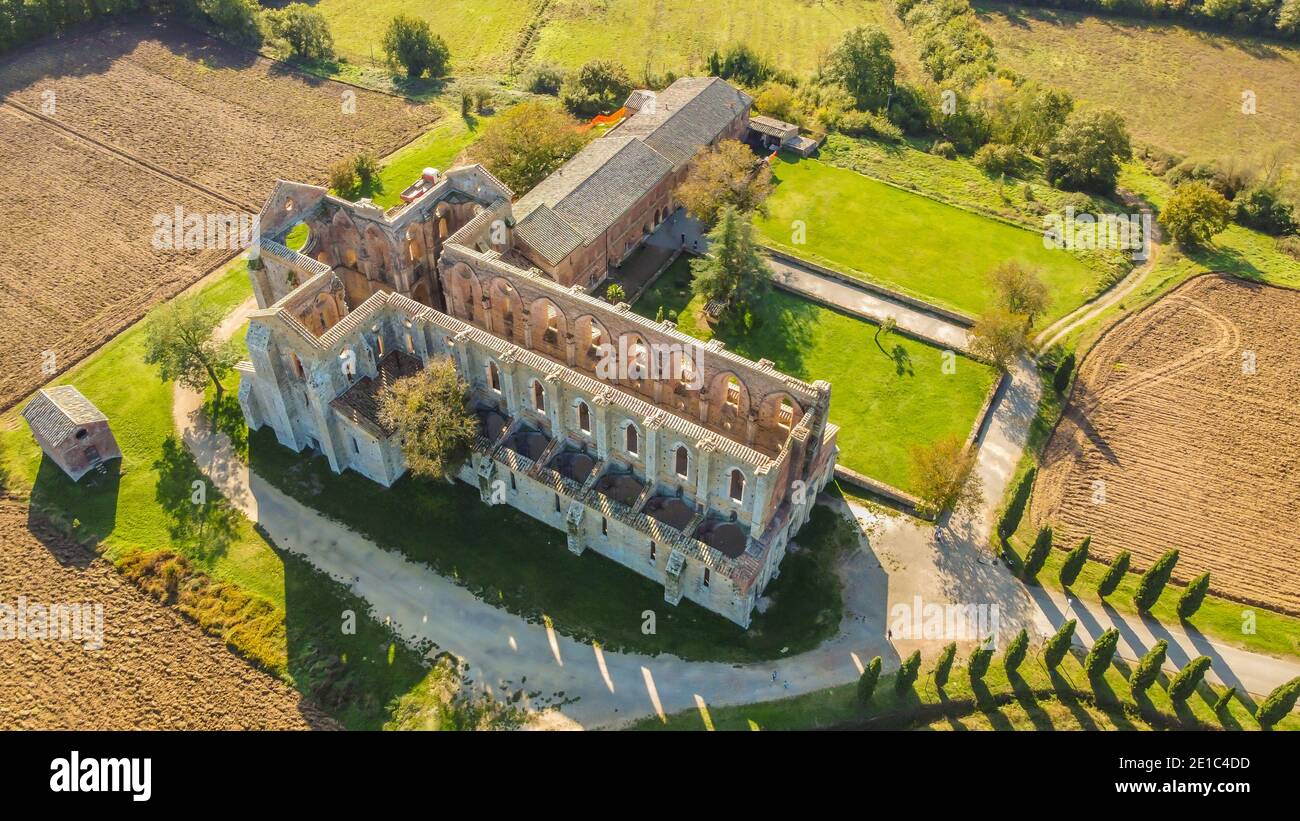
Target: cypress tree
column 1279, row 702
column 1058, row 645
column 1062, row 379
column 867, row 681
column 1153, row 582
column 1016, row 650
column 1037, row 555
column 1184, row 684
column 1099, row 657
column 1190, row 601
column 978, row 666
column 1148, row 669
column 1114, row 575
column 944, row 667
column 906, row 676
column 1221, row 703
column 1074, row 562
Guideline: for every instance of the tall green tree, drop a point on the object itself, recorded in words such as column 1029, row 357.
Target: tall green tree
column 598, row 87
column 1058, row 645
column 1020, row 289
column 1195, row 213
column 1099, row 657
column 945, row 478
column 1114, row 574
column 1038, row 552
column 179, row 339
column 907, row 673
column 863, row 63
column 978, row 665
column 1087, row 152
column 1279, row 703
column 867, row 681
column 735, row 267
column 410, row 44
column 1153, row 582
column 430, row 414
column 1193, row 595
column 1074, row 562
column 1188, row 678
column 1148, row 669
column 527, row 143
column 1015, row 652
column 728, row 175
column 304, row 29
column 943, row 668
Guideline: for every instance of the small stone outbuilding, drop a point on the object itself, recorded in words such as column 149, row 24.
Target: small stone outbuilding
column 71, row 430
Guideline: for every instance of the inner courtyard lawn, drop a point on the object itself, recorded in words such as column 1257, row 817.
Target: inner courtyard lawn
column 923, row 247
column 888, row 392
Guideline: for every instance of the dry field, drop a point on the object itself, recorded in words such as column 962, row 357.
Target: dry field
column 156, row 670
column 144, row 119
column 1190, row 451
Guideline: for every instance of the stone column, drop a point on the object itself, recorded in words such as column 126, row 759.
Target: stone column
column 703, row 484
column 600, row 410
column 652, row 426
column 759, row 508
column 508, row 368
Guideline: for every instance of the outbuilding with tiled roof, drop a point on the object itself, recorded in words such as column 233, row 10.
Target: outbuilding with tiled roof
column 71, row 431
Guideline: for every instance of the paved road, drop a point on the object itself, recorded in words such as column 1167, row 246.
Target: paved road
column 870, row 304
column 899, row 559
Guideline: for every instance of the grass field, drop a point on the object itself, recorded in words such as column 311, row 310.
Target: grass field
column 886, row 397
column 1178, row 88
column 908, row 242
column 1031, row 699
column 143, row 504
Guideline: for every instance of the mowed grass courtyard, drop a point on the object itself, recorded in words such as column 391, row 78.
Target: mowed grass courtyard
column 889, row 393
column 909, row 242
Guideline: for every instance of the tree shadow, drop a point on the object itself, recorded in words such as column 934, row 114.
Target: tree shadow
column 1068, row 695
column 201, row 518
column 1028, row 701
column 228, row 417
column 902, row 361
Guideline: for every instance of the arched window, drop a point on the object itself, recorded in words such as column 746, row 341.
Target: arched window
column 733, row 393
column 681, row 460
column 494, row 376
column 785, row 415
column 584, row 417
column 632, row 439
column 737, row 490
column 539, row 397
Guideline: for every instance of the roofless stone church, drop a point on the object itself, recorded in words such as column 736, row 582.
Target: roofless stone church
column 697, row 479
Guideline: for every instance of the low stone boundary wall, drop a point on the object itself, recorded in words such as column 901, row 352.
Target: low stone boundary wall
column 861, row 284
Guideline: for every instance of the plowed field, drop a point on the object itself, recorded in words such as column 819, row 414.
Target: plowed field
column 1183, row 432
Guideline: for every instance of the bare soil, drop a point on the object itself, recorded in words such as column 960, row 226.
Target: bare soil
column 145, row 118
column 156, row 670
column 1169, row 441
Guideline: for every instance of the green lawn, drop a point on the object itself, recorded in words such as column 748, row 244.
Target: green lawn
column 886, row 397
column 436, row 148
column 143, row 504
column 909, row 242
column 1029, row 700
column 515, row 562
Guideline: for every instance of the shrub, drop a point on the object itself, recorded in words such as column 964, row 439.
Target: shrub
column 1038, row 553
column 1260, row 208
column 980, row 659
column 1103, row 650
column 1061, row 380
column 740, row 63
column 410, row 44
column 998, row 158
column 945, row 149
column 1289, row 246
column 1185, row 683
column 1115, row 574
column 1279, row 703
column 1074, row 561
column 343, row 177
column 1015, row 511
column 1195, row 213
column 910, row 109
column 907, row 673
column 1153, row 582
column 614, row 294
column 237, row 20
column 545, row 78
column 943, row 668
column 868, row 124
column 1058, row 645
column 1148, row 669
column 867, row 681
column 1016, row 651
column 1190, row 601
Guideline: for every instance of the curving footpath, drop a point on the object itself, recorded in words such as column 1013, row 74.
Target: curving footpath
column 899, row 559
